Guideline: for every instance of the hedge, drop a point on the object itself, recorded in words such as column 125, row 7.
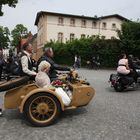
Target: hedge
column 107, row 50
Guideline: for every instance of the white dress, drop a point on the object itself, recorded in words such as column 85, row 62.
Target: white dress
column 43, row 80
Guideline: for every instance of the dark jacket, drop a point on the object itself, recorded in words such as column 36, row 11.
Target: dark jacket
column 54, row 66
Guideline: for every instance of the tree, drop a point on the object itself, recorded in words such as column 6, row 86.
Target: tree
column 106, row 50
column 11, row 3
column 130, row 37
column 4, row 37
column 20, row 31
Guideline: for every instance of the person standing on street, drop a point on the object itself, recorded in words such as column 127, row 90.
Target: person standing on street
column 1, row 68
column 77, row 62
column 1, row 63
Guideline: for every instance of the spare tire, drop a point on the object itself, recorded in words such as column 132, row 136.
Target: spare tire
column 14, row 83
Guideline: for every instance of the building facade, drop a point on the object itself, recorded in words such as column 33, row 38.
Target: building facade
column 63, row 27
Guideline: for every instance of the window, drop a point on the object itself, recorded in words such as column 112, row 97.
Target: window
column 93, row 36
column 113, row 26
column 60, row 37
column 83, row 24
column 72, row 37
column 60, row 21
column 113, row 37
column 94, row 24
column 72, row 22
column 83, row 35
column 104, row 25
column 102, row 37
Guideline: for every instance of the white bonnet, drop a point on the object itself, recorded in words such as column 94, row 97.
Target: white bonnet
column 44, row 65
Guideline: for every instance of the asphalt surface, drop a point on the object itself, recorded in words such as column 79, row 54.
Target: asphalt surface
column 109, row 116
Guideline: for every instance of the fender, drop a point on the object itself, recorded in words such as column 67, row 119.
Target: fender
column 38, row 90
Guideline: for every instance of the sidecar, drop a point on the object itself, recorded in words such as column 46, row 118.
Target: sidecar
column 42, row 106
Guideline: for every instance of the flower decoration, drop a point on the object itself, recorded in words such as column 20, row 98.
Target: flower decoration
column 57, row 83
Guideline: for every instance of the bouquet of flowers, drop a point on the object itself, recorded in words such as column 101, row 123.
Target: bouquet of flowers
column 57, row 83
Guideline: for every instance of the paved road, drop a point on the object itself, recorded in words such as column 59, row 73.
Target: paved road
column 109, row 116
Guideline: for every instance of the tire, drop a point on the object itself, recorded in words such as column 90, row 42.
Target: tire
column 119, row 87
column 14, row 83
column 42, row 109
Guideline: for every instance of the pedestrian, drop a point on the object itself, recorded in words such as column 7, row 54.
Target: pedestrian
column 1, row 69
column 77, row 61
column 2, row 62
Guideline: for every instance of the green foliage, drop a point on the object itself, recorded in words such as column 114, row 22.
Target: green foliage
column 10, row 3
column 130, row 37
column 17, row 33
column 107, row 50
column 4, row 37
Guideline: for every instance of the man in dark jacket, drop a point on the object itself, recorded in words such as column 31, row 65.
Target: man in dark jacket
column 48, row 56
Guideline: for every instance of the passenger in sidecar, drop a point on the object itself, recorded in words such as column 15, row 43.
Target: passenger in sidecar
column 42, row 80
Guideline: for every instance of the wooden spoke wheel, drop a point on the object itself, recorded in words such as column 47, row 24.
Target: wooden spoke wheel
column 42, row 109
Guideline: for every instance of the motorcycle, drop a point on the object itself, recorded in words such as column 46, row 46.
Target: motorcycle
column 120, row 82
column 42, row 106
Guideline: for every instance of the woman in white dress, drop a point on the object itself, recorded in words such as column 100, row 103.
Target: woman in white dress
column 42, row 80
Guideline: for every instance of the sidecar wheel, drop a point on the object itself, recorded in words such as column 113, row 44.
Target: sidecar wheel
column 42, row 109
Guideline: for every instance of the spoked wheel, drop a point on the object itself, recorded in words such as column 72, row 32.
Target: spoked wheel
column 42, row 109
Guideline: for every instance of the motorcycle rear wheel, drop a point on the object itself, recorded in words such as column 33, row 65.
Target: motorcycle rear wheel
column 119, row 87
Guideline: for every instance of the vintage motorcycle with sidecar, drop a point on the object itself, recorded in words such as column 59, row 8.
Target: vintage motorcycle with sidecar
column 42, row 106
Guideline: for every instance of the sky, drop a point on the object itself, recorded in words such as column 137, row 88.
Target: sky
column 26, row 10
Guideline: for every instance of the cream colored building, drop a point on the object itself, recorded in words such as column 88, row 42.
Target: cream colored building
column 63, row 27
